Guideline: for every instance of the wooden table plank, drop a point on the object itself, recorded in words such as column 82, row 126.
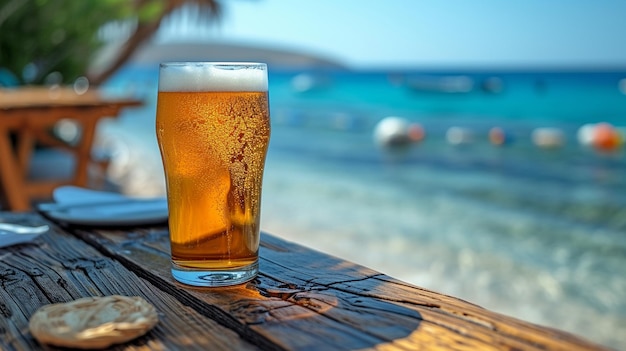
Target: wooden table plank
column 307, row 300
column 57, row 267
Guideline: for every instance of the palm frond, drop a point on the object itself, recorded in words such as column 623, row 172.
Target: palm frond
column 206, row 11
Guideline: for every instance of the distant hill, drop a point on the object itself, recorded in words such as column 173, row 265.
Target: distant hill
column 276, row 59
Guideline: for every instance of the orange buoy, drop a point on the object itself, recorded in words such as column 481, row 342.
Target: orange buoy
column 498, row 137
column 416, row 132
column 606, row 137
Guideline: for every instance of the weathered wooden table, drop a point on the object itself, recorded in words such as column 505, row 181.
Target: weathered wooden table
column 302, row 300
column 28, row 114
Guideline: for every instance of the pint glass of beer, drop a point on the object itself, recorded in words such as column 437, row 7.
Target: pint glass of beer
column 213, row 129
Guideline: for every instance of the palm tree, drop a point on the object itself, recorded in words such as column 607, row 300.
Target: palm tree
column 145, row 29
column 61, row 36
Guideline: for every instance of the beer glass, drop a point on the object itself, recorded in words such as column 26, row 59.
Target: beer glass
column 213, row 130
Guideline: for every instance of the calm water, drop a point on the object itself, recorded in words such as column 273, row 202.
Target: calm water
column 534, row 233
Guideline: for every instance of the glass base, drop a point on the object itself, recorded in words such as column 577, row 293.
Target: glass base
column 214, row 278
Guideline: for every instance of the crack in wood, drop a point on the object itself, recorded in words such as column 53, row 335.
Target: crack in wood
column 249, row 311
column 275, row 248
column 362, row 279
column 7, row 275
column 62, row 283
column 5, row 310
column 306, row 301
column 86, row 264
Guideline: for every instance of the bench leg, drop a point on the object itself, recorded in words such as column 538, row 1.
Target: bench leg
column 11, row 178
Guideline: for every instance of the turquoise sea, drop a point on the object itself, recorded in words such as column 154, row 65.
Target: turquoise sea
column 539, row 234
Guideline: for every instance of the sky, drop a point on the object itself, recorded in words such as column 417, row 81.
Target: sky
column 424, row 33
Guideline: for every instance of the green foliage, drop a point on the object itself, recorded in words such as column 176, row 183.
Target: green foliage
column 151, row 10
column 38, row 37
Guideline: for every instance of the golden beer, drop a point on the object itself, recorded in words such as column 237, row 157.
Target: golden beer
column 213, row 140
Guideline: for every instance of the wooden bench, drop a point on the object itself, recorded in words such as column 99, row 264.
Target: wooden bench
column 28, row 114
column 302, row 299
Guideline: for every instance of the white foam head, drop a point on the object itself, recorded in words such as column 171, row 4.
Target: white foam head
column 214, row 76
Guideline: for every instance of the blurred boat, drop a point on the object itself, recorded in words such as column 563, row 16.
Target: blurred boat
column 456, row 84
column 492, row 85
column 308, row 82
column 441, row 84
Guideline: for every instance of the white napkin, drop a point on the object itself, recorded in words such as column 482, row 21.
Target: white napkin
column 9, row 236
column 9, row 239
column 91, row 207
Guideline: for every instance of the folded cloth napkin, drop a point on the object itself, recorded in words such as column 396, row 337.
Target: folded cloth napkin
column 14, row 239
column 11, row 234
column 75, row 205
